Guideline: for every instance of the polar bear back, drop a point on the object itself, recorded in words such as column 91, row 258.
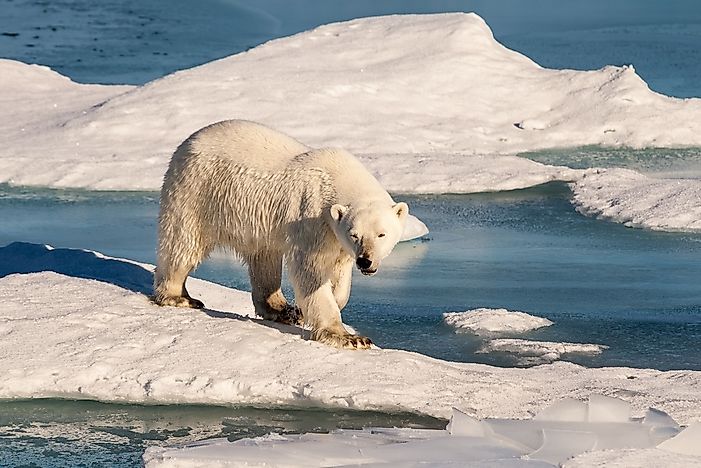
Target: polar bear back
column 241, row 184
column 246, row 143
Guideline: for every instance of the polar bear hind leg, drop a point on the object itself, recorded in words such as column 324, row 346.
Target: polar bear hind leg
column 265, row 271
column 179, row 252
column 170, row 287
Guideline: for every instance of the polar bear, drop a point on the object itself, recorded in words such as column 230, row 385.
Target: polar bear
column 245, row 187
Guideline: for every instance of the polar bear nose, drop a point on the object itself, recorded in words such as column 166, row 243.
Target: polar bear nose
column 363, row 263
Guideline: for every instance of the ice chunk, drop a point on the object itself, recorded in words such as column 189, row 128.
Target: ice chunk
column 608, row 409
column 687, row 442
column 662, row 426
column 568, row 409
column 413, row 229
column 462, row 424
column 485, row 321
column 656, row 418
column 539, row 352
column 558, row 446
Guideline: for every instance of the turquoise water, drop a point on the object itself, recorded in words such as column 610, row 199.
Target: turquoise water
column 636, row 291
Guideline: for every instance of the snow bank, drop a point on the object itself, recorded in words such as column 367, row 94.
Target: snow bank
column 494, row 321
column 416, row 85
column 637, row 200
column 539, row 352
column 539, row 442
column 75, row 324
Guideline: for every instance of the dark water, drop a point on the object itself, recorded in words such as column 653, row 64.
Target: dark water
column 633, row 290
column 53, row 433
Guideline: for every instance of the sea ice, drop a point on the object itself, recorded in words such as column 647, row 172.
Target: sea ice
column 485, row 321
column 414, row 229
column 465, row 442
column 537, row 352
column 76, row 324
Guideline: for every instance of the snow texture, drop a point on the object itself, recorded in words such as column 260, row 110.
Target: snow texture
column 431, row 104
column 485, row 321
column 76, row 324
column 466, row 441
column 637, row 200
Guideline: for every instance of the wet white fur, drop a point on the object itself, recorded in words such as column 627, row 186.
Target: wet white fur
column 240, row 185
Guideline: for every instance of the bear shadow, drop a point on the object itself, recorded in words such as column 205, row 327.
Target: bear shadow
column 25, row 257
column 281, row 327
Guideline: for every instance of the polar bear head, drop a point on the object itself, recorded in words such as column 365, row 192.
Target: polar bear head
column 369, row 232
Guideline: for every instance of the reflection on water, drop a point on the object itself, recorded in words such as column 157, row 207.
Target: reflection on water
column 83, row 433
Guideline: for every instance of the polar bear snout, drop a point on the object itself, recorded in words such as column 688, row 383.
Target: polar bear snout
column 363, row 263
column 365, row 266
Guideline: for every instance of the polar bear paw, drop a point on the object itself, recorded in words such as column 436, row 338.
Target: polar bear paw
column 344, row 341
column 178, row 301
column 290, row 315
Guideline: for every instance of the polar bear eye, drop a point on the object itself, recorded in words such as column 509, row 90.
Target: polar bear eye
column 354, row 236
column 381, row 235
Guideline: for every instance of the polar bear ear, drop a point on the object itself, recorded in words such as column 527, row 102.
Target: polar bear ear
column 401, row 209
column 337, row 212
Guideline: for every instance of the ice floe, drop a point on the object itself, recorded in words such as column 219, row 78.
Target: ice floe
column 76, row 324
column 538, row 352
column 639, row 200
column 485, row 321
column 603, row 428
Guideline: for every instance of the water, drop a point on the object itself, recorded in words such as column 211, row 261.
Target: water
column 635, row 291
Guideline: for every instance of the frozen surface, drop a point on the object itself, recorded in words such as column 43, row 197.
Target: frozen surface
column 638, row 200
column 485, row 321
column 75, row 324
column 384, row 88
column 414, row 229
column 536, row 352
column 466, row 441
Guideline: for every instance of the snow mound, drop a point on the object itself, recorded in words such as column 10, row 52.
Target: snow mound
column 484, row 321
column 418, row 85
column 72, row 326
column 465, row 441
column 638, row 200
column 538, row 352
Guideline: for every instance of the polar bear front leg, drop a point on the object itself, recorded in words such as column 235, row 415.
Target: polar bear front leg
column 341, row 281
column 315, row 296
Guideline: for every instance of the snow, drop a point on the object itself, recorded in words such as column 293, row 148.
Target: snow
column 484, row 321
column 637, row 200
column 538, row 352
column 541, row 442
column 76, row 324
